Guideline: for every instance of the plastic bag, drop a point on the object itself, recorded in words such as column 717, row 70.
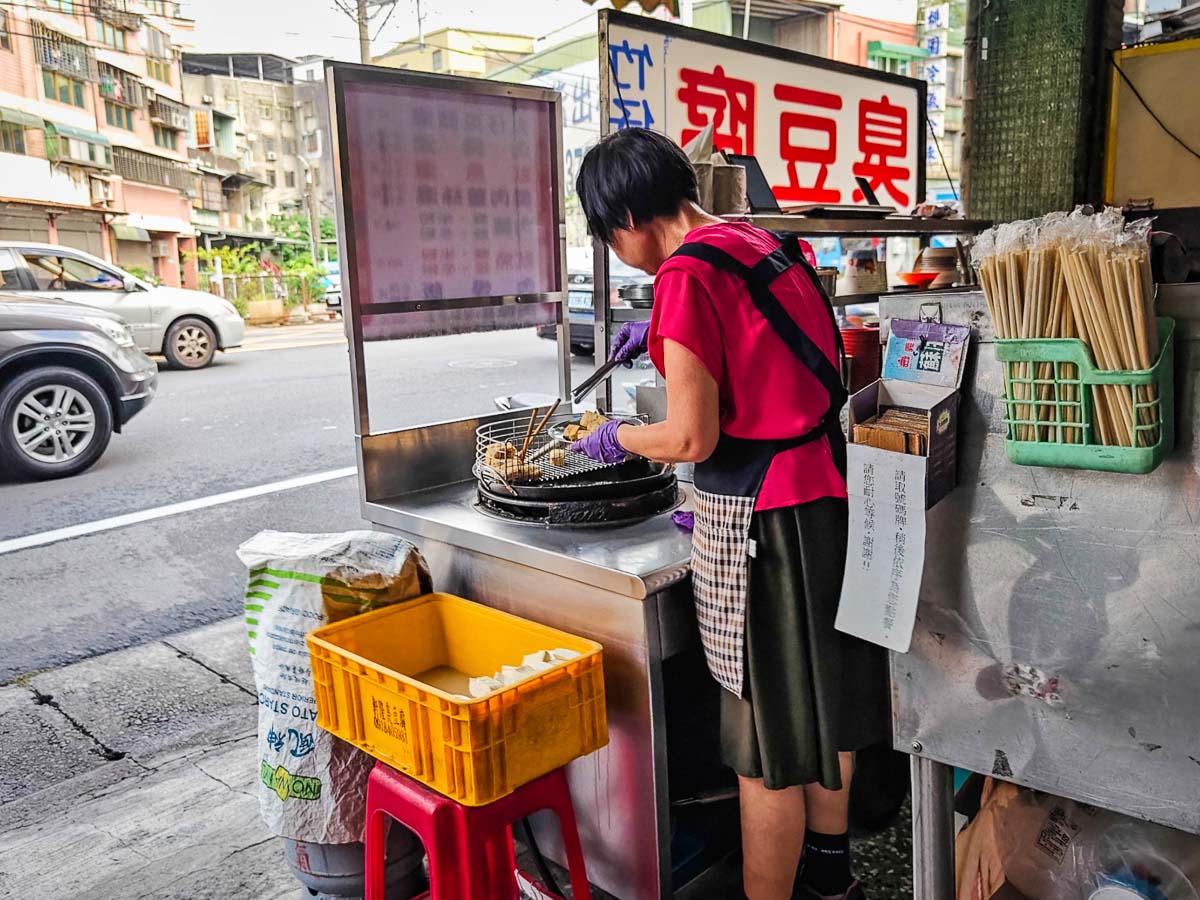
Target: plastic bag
column 1051, row 848
column 312, row 786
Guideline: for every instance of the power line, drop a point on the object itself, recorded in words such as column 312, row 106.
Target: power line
column 945, row 168
column 518, row 64
column 1146, row 106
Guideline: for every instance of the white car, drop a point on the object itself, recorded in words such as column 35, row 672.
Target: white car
column 187, row 327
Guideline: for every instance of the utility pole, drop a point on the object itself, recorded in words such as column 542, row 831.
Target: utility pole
column 310, row 206
column 364, row 36
column 420, row 27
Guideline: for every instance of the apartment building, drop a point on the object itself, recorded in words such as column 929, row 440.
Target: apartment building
column 458, row 51
column 245, row 110
column 93, row 148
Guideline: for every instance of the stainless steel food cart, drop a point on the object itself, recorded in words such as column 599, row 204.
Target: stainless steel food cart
column 1088, row 582
column 622, row 586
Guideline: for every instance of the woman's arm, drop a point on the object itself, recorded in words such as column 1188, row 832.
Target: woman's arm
column 693, row 418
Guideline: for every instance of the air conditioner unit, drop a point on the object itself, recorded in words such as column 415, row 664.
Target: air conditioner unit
column 207, row 98
column 272, row 156
column 159, row 249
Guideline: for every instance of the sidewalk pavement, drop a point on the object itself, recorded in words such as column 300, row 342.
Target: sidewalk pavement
column 130, row 776
column 287, row 337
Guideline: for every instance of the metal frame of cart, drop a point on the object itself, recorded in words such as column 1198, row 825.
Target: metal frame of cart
column 1080, row 581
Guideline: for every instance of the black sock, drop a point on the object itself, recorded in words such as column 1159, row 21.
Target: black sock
column 827, row 863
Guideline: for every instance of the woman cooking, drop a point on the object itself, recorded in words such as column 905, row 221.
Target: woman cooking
column 746, row 340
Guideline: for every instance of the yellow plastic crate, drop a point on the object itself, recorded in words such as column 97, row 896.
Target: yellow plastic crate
column 368, row 673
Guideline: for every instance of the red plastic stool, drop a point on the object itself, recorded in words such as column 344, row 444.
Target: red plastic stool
column 470, row 848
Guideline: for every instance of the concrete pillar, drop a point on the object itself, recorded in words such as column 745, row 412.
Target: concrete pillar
column 187, row 262
column 106, row 241
column 166, row 268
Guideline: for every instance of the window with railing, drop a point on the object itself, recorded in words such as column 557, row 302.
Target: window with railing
column 66, row 148
column 166, row 138
column 168, row 113
column 63, row 6
column 64, row 89
column 134, row 165
column 118, row 116
column 201, row 124
column 117, row 13
column 5, row 38
column 59, row 53
column 211, row 195
column 121, row 87
column 159, row 58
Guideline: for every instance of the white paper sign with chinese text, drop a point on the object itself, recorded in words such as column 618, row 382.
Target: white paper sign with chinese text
column 886, row 554
column 813, row 126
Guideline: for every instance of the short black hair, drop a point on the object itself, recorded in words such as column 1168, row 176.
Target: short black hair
column 634, row 173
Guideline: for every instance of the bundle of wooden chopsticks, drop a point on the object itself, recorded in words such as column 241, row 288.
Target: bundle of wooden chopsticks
column 534, row 430
column 1084, row 276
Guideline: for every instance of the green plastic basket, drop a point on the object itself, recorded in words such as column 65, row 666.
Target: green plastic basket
column 1049, row 409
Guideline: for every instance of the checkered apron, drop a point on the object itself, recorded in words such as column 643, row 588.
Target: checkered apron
column 728, row 482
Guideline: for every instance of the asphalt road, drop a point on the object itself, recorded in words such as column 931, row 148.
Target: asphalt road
column 253, row 418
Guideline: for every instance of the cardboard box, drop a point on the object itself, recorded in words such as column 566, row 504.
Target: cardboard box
column 922, row 372
column 890, row 483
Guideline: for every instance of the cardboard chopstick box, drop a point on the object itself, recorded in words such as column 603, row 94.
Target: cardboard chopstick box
column 922, row 372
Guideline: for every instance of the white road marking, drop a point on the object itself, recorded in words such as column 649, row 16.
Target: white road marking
column 171, row 509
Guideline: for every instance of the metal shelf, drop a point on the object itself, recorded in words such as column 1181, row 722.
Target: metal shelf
column 630, row 315
column 620, row 316
column 892, row 226
column 932, row 295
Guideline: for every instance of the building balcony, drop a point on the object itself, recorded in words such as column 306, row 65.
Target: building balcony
column 168, row 113
column 117, row 12
column 217, row 162
column 134, row 165
column 59, row 53
column 207, row 218
column 121, row 87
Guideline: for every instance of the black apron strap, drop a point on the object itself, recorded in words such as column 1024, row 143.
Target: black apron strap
column 738, row 465
column 758, row 282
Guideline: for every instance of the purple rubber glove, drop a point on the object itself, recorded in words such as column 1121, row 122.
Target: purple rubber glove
column 601, row 445
column 685, row 520
column 630, row 342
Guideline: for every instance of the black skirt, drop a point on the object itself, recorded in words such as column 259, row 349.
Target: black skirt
column 810, row 690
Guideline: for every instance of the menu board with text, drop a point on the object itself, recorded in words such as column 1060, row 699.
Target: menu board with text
column 452, row 197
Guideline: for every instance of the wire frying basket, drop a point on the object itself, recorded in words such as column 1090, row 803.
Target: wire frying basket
column 498, row 446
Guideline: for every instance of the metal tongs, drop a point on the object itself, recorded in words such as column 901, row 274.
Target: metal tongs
column 593, row 380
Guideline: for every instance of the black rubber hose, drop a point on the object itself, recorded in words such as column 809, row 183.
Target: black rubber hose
column 538, row 860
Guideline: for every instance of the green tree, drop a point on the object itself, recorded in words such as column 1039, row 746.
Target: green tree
column 295, row 227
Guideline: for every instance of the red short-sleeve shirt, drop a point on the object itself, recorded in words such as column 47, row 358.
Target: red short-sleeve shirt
column 765, row 391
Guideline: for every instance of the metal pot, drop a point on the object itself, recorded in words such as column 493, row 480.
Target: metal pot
column 639, row 296
column 828, row 279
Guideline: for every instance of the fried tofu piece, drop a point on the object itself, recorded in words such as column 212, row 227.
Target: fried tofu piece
column 496, row 454
column 591, row 420
column 573, row 432
column 558, row 457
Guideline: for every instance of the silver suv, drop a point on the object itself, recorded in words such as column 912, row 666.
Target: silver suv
column 70, row 376
column 187, row 327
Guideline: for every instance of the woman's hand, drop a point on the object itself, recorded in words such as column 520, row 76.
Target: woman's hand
column 630, row 342
column 602, row 445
